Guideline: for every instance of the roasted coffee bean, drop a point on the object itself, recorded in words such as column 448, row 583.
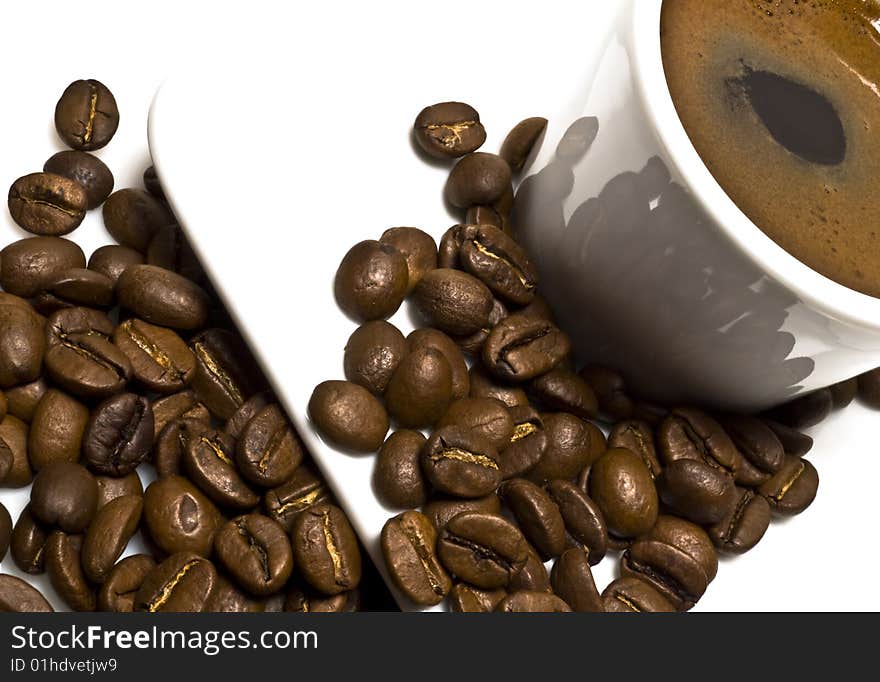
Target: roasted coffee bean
column 484, row 386
column 805, row 411
column 434, row 338
column 75, row 287
column 29, row 265
column 170, row 249
column 112, row 260
column 183, row 405
column 57, row 429
column 160, row 359
column 119, row 434
column 269, row 450
column 409, row 544
column 460, row 462
column 572, row 445
column 64, row 495
column 761, row 451
column 844, row 392
column 562, row 390
column 584, row 524
column 111, row 487
column 304, row 599
column 869, row 384
column 88, row 171
column 181, row 584
column 348, row 416
column 744, row 525
column 303, row 490
column 371, row 281
column 86, row 116
column 793, row 488
column 225, row 374
column 464, row 598
column 179, row 517
column 473, row 344
column 256, row 552
column 162, row 297
column 133, row 216
column 17, row 596
column 486, row 417
column 525, row 601
column 533, row 576
column 453, row 301
column 22, row 344
column 610, row 391
column 441, row 509
column 573, row 582
column 622, row 487
column 5, row 530
column 793, row 441
column 478, row 178
column 691, row 434
column 636, row 436
column 527, row 444
column 13, row 453
column 80, row 358
column 247, row 411
column 397, row 477
column 171, row 442
column 418, row 249
column 27, row 543
column 536, row 514
column 420, row 389
column 123, row 581
column 518, row 145
column 448, row 130
column 631, row 595
column 209, row 461
column 538, row 308
column 372, row 353
column 325, row 549
column 47, row 204
column 64, row 566
column 152, row 184
column 696, row 491
column 521, row 348
column 484, row 215
column 227, row 597
column 22, row 400
column 689, row 538
column 482, row 549
column 108, row 534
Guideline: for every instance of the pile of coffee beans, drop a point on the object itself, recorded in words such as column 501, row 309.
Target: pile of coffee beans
column 496, row 456
column 125, row 364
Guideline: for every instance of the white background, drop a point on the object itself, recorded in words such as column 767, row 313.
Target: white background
column 522, row 58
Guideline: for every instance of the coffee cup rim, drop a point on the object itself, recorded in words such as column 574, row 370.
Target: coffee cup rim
column 811, row 287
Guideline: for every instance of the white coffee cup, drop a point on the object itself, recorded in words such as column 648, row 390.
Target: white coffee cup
column 665, row 279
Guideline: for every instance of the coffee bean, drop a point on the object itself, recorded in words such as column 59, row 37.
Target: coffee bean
column 269, row 450
column 86, row 116
column 418, row 249
column 762, row 452
column 181, row 584
column 538, row 308
column 372, row 353
column 227, row 597
column 47, row 204
column 631, row 595
column 170, row 249
column 179, row 517
column 536, row 514
column 622, row 487
column 133, row 216
column 303, row 490
column 348, row 416
column 117, row 593
column 183, row 405
column 22, row 400
column 75, row 287
column 484, row 386
column 111, row 487
column 651, row 413
column 572, row 445
column 441, row 509
column 482, row 549
column 487, row 417
column 160, row 359
column 584, row 524
column 473, row 344
column 13, row 453
column 371, row 281
column 119, row 434
column 29, row 265
column 484, row 215
column 409, row 547
column 325, row 549
column 521, row 348
column 22, row 343
column 518, row 145
column 478, row 178
column 744, row 525
column 88, row 171
column 64, row 566
column 460, row 462
column 869, row 384
column 610, row 390
column 464, row 598
column 526, row 445
column 691, row 434
column 448, row 130
column 696, row 491
column 57, row 429
column 533, row 576
column 525, row 601
column 112, row 260
column 793, row 488
column 108, row 535
column 256, row 551
column 844, row 392
column 226, row 374
column 573, row 582
column 17, row 596
column 64, row 495
column 397, row 477
column 434, row 338
column 247, row 411
column 636, row 436
column 27, row 543
column 209, row 461
column 162, row 297
column 805, row 411
column 5, row 530
column 420, row 389
column 453, row 301
column 562, row 390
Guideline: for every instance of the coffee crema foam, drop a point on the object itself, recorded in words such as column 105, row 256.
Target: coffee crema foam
column 781, row 99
